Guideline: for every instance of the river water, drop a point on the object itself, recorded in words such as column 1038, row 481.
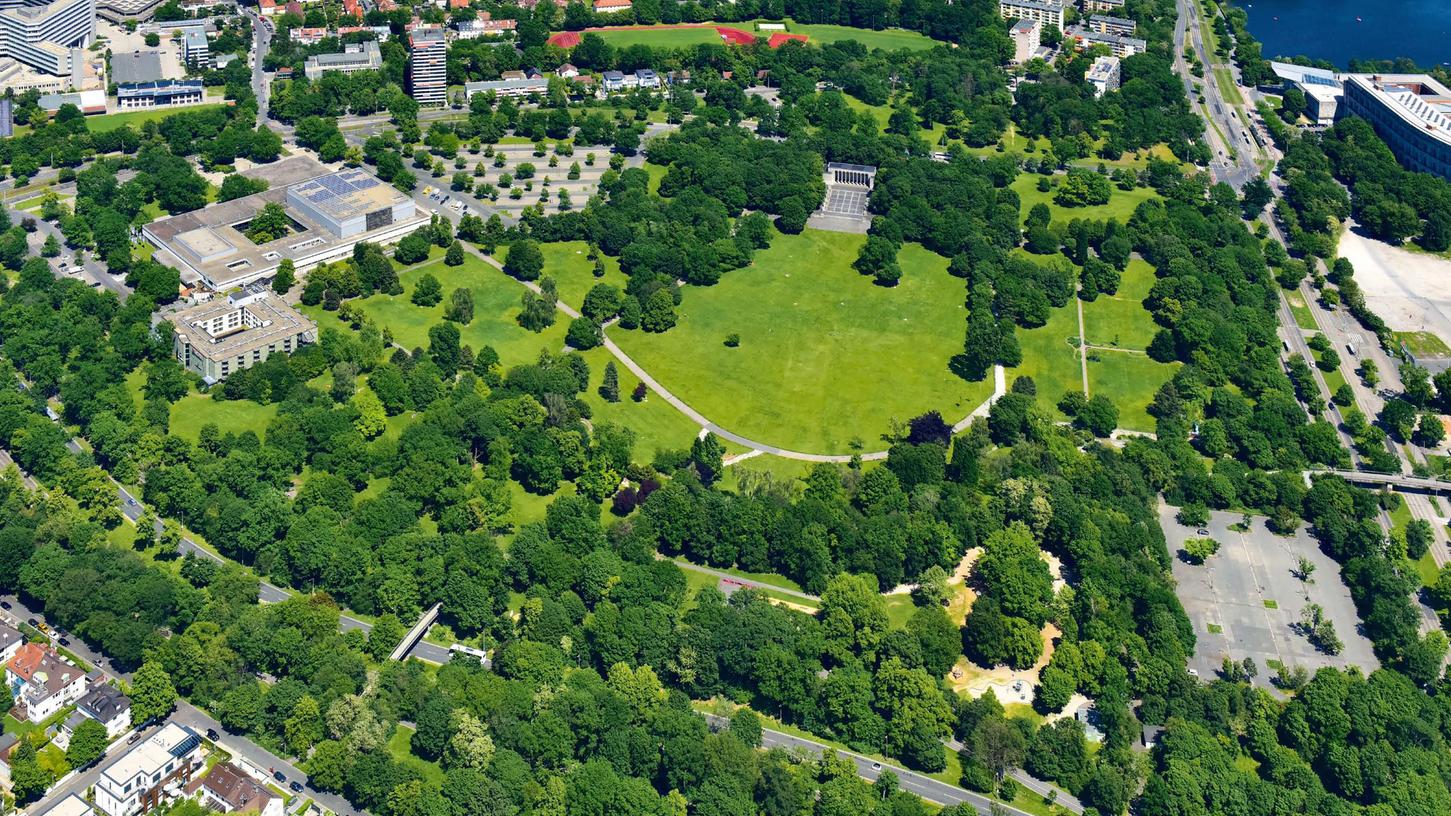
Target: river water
column 1342, row 30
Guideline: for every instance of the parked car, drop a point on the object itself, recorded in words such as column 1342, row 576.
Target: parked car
column 4, row 604
column 279, row 776
column 63, row 642
column 32, row 621
column 296, row 787
column 213, row 735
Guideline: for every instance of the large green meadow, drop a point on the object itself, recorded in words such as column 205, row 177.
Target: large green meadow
column 827, row 359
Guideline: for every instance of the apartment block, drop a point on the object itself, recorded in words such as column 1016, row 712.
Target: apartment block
column 428, row 67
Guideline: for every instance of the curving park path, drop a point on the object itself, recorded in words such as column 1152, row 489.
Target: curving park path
column 999, row 388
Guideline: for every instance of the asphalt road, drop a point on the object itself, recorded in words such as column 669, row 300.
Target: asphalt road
column 92, row 271
column 869, row 769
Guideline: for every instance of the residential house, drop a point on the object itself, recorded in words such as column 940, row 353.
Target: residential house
column 108, row 706
column 647, row 78
column 566, row 71
column 7, row 744
column 228, row 789
column 72, row 805
column 10, row 641
column 151, row 773
column 613, row 81
column 42, row 682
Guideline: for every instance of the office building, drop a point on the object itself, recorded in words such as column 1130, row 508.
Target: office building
column 1104, row 24
column 1118, row 45
column 48, row 36
column 151, row 773
column 1103, row 75
column 428, row 67
column 1323, row 90
column 1026, row 36
column 120, row 11
column 7, row 122
column 1411, row 112
column 225, row 335
column 329, row 213
column 363, row 56
column 164, row 94
column 476, row 28
column 1047, row 12
column 195, row 51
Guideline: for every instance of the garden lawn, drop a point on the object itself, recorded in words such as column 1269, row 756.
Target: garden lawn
column 1120, row 320
column 496, row 305
column 113, row 121
column 1050, row 357
column 402, row 753
column 1120, row 206
column 827, row 359
column 1130, row 380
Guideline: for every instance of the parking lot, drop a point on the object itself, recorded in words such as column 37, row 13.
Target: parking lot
column 1245, row 600
column 580, row 189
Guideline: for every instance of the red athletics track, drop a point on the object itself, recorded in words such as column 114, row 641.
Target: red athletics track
column 734, row 36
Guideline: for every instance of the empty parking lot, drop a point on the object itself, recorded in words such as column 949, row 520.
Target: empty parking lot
column 1245, row 600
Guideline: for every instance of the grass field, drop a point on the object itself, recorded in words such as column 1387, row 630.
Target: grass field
column 1050, row 358
column 826, row 357
column 399, row 749
column 890, row 39
column 112, row 121
column 1120, row 206
column 1119, row 370
column 496, row 305
column 882, row 113
column 191, row 412
column 1227, row 88
column 1304, row 318
column 656, row 423
column 1119, row 320
column 1423, row 344
column 661, row 37
column 1130, row 380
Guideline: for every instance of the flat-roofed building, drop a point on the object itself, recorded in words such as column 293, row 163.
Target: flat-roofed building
column 355, row 57
column 1104, row 24
column 72, row 805
column 48, row 36
column 90, row 102
column 508, row 87
column 1107, row 6
column 1118, row 45
column 1103, row 75
column 476, row 28
column 163, row 94
column 1026, row 36
column 151, row 774
column 119, row 11
column 1411, row 112
column 1047, row 12
column 195, row 50
column 7, row 118
column 428, row 67
column 225, row 335
column 329, row 213
column 612, row 6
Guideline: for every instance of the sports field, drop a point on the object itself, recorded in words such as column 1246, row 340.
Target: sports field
column 826, row 357
column 686, row 35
